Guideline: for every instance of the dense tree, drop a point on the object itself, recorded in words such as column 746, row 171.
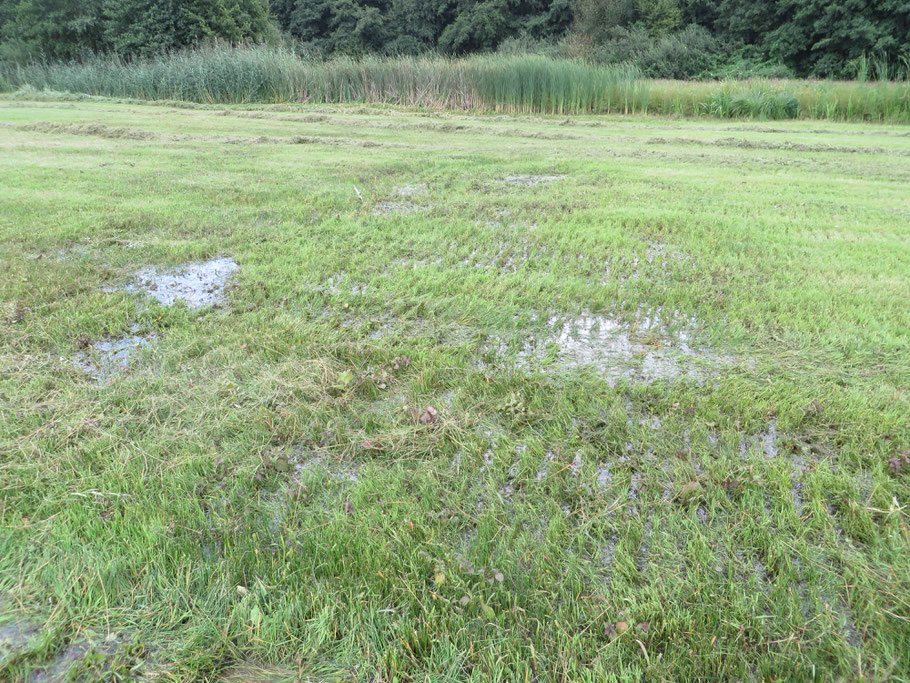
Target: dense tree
column 822, row 37
column 55, row 29
column 660, row 17
column 141, row 27
column 680, row 37
column 67, row 29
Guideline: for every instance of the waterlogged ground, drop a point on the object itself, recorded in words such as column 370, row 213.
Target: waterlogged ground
column 325, row 393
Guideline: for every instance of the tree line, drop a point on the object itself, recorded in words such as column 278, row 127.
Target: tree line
column 666, row 38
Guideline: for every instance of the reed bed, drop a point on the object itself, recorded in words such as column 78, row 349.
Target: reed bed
column 221, row 74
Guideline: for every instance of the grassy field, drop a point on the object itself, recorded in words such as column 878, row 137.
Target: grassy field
column 481, row 398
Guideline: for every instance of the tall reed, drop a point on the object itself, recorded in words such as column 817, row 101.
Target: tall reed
column 221, row 74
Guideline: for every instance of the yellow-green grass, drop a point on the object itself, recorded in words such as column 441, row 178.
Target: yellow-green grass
column 744, row 521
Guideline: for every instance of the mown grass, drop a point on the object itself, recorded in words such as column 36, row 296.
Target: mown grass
column 747, row 522
column 514, row 84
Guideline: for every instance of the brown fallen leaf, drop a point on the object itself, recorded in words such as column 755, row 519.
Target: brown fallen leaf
column 401, row 362
column 348, row 508
column 429, row 415
column 621, row 627
column 897, row 463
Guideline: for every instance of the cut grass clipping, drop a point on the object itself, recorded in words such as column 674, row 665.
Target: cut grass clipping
column 336, row 393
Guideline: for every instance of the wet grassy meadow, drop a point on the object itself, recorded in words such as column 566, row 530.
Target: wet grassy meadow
column 370, row 393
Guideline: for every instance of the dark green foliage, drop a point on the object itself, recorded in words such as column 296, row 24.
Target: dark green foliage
column 821, row 37
column 70, row 29
column 142, row 27
column 661, row 17
column 691, row 52
column 666, row 38
column 54, row 29
column 760, row 103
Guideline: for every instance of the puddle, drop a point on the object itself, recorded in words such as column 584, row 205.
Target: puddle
column 487, row 460
column 544, row 469
column 401, row 208
column 335, row 470
column 644, row 550
column 197, row 284
column 652, row 422
column 633, row 495
column 411, row 190
column 531, row 180
column 16, row 635
column 766, row 442
column 796, row 492
column 645, row 352
column 607, row 556
column 79, row 660
column 604, row 475
column 105, row 360
column 72, row 659
column 575, row 466
column 339, row 284
column 508, row 257
column 839, row 612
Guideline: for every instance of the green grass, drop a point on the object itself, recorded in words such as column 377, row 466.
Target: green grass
column 152, row 523
column 509, row 84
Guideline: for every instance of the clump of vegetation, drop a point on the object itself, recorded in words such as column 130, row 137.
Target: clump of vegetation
column 224, row 74
column 759, row 102
column 515, row 83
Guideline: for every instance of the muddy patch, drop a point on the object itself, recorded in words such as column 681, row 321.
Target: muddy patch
column 80, row 659
column 105, row 360
column 643, row 352
column 16, row 635
column 198, row 285
column 531, row 180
